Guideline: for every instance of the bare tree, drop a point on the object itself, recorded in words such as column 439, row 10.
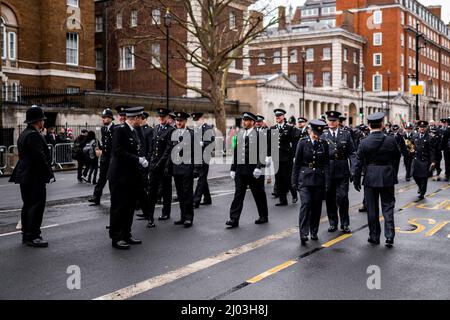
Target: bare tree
column 213, row 40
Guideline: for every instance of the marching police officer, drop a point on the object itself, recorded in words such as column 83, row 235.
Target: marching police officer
column 424, row 159
column 311, row 177
column 158, row 157
column 408, row 137
column 445, row 131
column 436, row 141
column 342, row 152
column 400, row 143
column 287, row 143
column 33, row 172
column 246, row 171
column 376, row 157
column 125, row 179
column 106, row 145
column 182, row 167
column 204, row 136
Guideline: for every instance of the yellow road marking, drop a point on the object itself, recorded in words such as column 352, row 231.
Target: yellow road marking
column 334, row 241
column 436, row 228
column 272, row 271
column 419, row 227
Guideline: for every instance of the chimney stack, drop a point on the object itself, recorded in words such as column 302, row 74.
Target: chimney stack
column 436, row 10
column 281, row 18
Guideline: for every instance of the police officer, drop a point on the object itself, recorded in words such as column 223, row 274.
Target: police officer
column 259, row 124
column 204, row 136
column 106, row 145
column 121, row 111
column 311, row 177
column 247, row 171
column 400, row 144
column 342, row 153
column 286, row 143
column 436, row 141
column 445, row 131
column 125, row 179
column 376, row 156
column 182, row 167
column 159, row 174
column 408, row 137
column 302, row 125
column 424, row 159
column 33, row 171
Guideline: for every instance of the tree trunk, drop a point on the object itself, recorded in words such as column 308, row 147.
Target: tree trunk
column 218, row 101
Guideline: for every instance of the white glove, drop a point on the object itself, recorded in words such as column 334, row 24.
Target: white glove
column 201, row 143
column 257, row 173
column 268, row 161
column 143, row 162
column 232, row 174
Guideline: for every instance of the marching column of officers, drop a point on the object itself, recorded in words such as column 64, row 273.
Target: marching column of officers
column 316, row 161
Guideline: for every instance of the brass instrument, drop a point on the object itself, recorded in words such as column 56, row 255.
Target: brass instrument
column 410, row 146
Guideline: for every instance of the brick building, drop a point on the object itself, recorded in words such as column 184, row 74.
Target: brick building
column 47, row 44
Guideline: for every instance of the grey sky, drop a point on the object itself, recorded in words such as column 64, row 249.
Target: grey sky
column 444, row 3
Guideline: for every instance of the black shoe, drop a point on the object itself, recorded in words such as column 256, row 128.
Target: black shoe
column 188, row 223
column 375, row 242
column 389, row 242
column 314, row 237
column 95, row 201
column 408, row 179
column 196, row 205
column 179, row 222
column 164, row 217
column 281, row 204
column 37, row 243
column 262, row 221
column 133, row 241
column 304, row 241
column 363, row 209
column 346, row 229
column 206, row 203
column 151, row 224
column 141, row 215
column 421, row 197
column 159, row 202
column 232, row 224
column 80, row 180
column 295, row 200
column 332, row 229
column 122, row 245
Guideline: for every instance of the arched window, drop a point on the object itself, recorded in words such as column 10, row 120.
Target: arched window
column 9, row 27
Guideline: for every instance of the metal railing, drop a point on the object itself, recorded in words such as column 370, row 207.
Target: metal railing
column 62, row 154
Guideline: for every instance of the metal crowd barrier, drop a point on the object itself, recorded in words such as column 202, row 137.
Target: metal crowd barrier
column 3, row 159
column 63, row 154
column 13, row 156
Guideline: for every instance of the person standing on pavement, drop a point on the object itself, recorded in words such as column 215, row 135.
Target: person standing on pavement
column 286, row 143
column 376, row 157
column 125, row 181
column 204, row 136
column 91, row 158
column 342, row 160
column 78, row 155
column 105, row 158
column 311, row 177
column 33, row 171
column 424, row 160
column 246, row 171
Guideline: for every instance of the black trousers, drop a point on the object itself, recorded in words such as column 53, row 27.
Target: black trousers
column 422, row 183
column 337, row 200
column 259, row 194
column 184, row 185
column 438, row 163
column 408, row 163
column 387, row 197
column 157, row 179
column 310, row 210
column 202, row 189
column 33, row 196
column 447, row 163
column 123, row 204
column 102, row 178
column 81, row 164
column 283, row 181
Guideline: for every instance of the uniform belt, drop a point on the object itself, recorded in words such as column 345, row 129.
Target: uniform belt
column 311, row 165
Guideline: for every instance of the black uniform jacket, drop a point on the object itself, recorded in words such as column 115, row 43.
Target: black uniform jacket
column 247, row 154
column 423, row 157
column 342, row 151
column 181, row 161
column 160, row 146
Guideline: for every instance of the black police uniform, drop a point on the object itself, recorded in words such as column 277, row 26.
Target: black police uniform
column 33, row 171
column 376, row 157
column 311, row 176
column 202, row 189
column 159, row 155
column 409, row 156
column 424, row 156
column 401, row 147
column 125, row 181
column 436, row 141
column 445, row 146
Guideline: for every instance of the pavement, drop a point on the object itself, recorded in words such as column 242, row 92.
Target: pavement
column 209, row 261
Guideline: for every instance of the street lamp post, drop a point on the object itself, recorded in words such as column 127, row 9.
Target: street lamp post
column 303, row 81
column 419, row 35
column 167, row 24
column 362, row 94
column 388, row 108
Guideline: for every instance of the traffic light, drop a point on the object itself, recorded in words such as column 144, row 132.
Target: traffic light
column 361, row 111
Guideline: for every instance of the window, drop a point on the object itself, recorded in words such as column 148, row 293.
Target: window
column 402, row 18
column 345, row 80
column 293, row 77
column 127, row 58
column 98, row 24
column 402, row 40
column 156, row 16
column 328, row 10
column 310, row 79
column 72, row 48
column 326, row 79
column 355, row 82
column 310, row 54
column 293, row 56
column 4, row 43
column 378, row 17
column 377, row 82
column 134, row 18
column 261, row 59
column 12, row 45
column 355, row 57
column 156, row 54
column 232, row 20
column 310, row 12
column 377, row 39
column 402, row 60
column 326, row 54
column 345, row 54
column 99, row 59
column 72, row 3
column 402, row 83
column 277, row 57
column 14, row 92
column 119, row 21
column 377, row 59
column 72, row 90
